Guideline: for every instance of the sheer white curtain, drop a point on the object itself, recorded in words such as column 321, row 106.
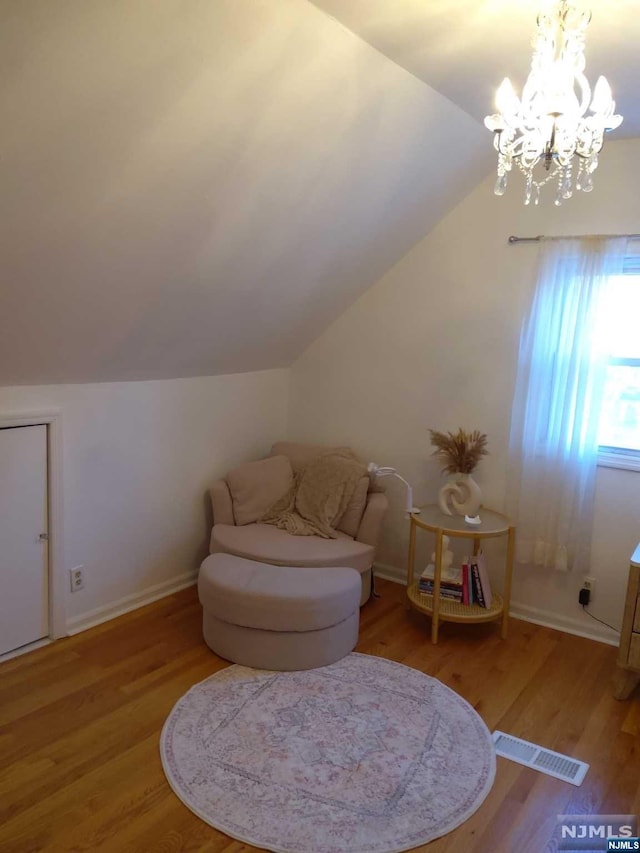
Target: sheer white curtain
column 554, row 423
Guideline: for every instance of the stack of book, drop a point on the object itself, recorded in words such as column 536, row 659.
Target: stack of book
column 467, row 584
column 451, row 586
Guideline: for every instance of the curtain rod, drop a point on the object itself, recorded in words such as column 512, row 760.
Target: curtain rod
column 541, row 237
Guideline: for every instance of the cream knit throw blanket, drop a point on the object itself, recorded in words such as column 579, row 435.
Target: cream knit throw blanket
column 319, row 496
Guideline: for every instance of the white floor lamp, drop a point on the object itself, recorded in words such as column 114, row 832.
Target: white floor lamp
column 375, row 471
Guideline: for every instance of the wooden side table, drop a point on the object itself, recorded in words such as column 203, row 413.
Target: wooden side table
column 628, row 671
column 493, row 525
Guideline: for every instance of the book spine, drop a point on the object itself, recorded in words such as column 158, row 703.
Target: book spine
column 465, row 582
column 477, row 585
column 485, row 583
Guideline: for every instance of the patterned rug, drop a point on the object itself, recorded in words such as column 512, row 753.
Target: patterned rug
column 363, row 756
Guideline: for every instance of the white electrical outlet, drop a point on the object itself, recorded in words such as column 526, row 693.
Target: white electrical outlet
column 76, row 578
column 590, row 584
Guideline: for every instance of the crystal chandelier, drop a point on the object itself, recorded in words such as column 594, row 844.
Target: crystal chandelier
column 549, row 124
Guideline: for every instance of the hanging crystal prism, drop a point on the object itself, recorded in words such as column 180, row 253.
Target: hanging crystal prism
column 501, row 184
column 528, row 190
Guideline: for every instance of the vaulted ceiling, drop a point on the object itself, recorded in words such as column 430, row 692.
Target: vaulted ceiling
column 202, row 187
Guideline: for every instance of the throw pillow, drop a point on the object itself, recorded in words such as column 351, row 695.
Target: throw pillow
column 255, row 486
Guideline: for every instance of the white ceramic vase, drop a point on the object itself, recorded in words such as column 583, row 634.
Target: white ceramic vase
column 460, row 496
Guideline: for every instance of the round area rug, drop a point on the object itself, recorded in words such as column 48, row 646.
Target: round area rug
column 362, row 756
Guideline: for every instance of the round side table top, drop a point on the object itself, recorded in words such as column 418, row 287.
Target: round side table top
column 492, row 523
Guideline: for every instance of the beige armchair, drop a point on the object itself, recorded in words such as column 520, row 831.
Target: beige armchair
column 240, row 500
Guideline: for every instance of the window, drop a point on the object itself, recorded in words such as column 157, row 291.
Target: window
column 619, row 426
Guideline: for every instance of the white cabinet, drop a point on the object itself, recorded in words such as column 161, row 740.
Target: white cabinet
column 628, row 672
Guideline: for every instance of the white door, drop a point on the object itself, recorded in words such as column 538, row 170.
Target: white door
column 24, row 592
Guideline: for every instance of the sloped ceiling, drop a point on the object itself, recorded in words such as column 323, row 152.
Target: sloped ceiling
column 202, row 187
column 465, row 48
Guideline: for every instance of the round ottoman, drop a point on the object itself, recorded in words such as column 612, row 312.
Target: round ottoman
column 278, row 617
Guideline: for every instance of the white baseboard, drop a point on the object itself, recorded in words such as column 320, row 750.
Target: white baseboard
column 568, row 624
column 390, row 573
column 546, row 618
column 130, row 602
column 23, row 650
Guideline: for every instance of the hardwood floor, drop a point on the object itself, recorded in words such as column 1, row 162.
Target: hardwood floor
column 80, row 722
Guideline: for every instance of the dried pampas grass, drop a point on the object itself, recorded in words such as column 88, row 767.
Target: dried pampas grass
column 461, row 452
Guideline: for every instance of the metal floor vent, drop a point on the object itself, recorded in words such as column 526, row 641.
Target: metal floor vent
column 539, row 758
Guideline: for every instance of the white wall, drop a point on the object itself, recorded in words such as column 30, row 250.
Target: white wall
column 138, row 458
column 434, row 344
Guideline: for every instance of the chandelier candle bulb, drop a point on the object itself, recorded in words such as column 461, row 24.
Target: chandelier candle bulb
column 601, row 95
column 557, row 119
column 506, row 100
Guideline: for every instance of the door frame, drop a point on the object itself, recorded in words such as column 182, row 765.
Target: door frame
column 52, row 419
